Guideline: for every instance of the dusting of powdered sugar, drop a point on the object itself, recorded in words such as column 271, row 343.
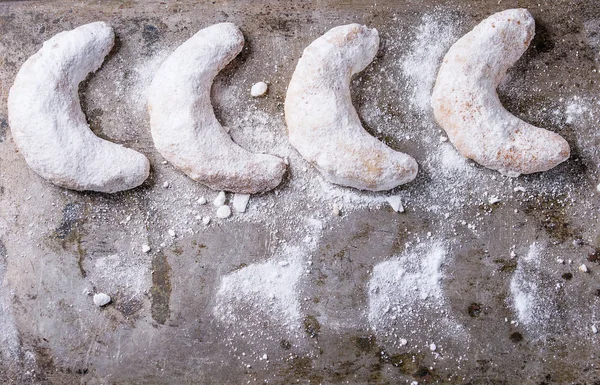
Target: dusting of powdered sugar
column 431, row 40
column 533, row 293
column 406, row 294
column 138, row 82
column 260, row 291
column 9, row 337
column 130, row 274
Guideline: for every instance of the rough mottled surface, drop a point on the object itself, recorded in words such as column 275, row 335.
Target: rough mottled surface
column 61, row 246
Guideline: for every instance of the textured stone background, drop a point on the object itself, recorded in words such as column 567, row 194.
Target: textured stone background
column 58, row 247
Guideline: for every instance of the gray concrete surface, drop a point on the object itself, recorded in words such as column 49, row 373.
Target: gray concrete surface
column 167, row 324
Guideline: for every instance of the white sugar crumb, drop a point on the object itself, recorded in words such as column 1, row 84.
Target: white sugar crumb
column 206, row 220
column 432, row 347
column 598, row 188
column 519, row 189
column 259, row 89
column 396, row 202
column 224, row 212
column 262, row 291
column 166, row 185
column 201, row 201
column 240, row 202
column 146, row 248
column 583, row 268
column 172, row 233
column 493, row 199
column 403, row 342
column 336, row 209
column 101, row 299
column 594, row 329
column 220, row 199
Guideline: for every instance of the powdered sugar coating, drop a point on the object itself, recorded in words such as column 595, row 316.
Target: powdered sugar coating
column 324, row 126
column 49, row 127
column 466, row 105
column 183, row 124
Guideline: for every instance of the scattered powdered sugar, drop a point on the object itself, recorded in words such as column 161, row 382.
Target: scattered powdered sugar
column 531, row 294
column 136, row 86
column 432, row 39
column 406, row 294
column 261, row 291
column 451, row 163
column 9, row 336
column 130, row 275
column 574, row 111
column 258, row 131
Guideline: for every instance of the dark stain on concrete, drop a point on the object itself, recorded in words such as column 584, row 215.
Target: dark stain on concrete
column 300, row 367
column 312, row 326
column 129, row 308
column 285, row 344
column 409, row 364
column 551, row 213
column 365, row 343
column 161, row 288
column 150, row 33
column 595, row 256
column 474, row 309
column 70, row 233
column 506, row 266
column 3, row 128
column 3, row 253
column 516, row 337
column 70, row 219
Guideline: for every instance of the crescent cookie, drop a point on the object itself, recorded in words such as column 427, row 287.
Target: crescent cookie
column 49, row 127
column 324, row 126
column 183, row 124
column 466, row 105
